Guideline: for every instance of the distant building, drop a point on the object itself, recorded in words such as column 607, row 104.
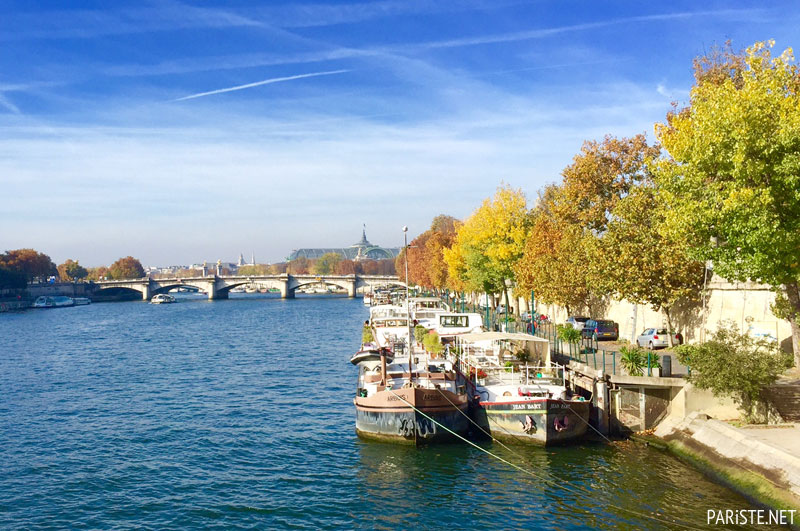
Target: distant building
column 362, row 250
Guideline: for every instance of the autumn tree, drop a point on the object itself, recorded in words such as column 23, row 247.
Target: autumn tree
column 555, row 263
column 637, row 260
column 126, row 268
column 733, row 177
column 97, row 273
column 326, row 264
column 28, row 262
column 254, row 270
column 599, row 176
column 558, row 264
column 490, row 242
column 345, row 267
column 299, row 266
column 426, row 265
column 71, row 270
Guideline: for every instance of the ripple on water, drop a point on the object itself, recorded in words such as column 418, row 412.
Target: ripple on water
column 239, row 414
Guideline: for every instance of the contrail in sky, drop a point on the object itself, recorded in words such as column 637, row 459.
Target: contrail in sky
column 259, row 83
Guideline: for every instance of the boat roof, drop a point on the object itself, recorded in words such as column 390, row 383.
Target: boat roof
column 497, row 336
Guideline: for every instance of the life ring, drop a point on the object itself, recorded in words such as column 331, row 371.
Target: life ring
column 561, row 426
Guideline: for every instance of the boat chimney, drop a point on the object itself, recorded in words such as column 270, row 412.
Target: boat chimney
column 383, row 366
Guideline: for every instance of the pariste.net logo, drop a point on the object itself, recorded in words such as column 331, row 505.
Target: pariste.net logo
column 751, row 517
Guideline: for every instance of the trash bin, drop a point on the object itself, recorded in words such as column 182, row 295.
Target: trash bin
column 666, row 366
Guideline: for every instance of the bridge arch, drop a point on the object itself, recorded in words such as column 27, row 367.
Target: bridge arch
column 116, row 293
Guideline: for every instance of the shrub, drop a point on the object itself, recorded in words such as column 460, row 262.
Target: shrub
column 419, row 333
column 633, row 360
column 736, row 365
column 432, row 344
column 568, row 334
column 366, row 335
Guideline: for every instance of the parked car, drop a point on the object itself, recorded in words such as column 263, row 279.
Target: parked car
column 600, row 329
column 577, row 322
column 653, row 338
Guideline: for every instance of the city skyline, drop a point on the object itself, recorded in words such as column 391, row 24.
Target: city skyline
column 176, row 131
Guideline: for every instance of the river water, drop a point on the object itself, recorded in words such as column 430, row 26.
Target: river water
column 238, row 414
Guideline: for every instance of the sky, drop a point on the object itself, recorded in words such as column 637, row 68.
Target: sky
column 184, row 131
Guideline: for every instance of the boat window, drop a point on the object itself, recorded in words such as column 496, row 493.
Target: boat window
column 454, row 321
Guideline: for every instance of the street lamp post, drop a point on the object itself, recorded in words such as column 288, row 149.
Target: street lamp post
column 408, row 302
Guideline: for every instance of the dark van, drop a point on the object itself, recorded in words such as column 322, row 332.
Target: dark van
column 598, row 329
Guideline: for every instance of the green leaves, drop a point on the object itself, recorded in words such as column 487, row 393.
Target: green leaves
column 735, row 364
column 734, row 169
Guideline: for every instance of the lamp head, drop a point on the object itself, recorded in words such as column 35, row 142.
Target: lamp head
column 405, row 229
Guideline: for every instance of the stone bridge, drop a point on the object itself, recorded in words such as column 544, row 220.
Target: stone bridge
column 218, row 287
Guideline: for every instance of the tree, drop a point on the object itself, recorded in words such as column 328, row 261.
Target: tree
column 345, row 267
column 426, row 265
column 599, row 176
column 736, row 365
column 637, row 260
column 732, row 180
column 125, row 268
column 555, row 263
column 10, row 279
column 490, row 242
column 326, row 264
column 97, row 273
column 299, row 266
column 28, row 262
column 254, row 270
column 71, row 270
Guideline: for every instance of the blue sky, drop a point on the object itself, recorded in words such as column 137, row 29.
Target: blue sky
column 182, row 131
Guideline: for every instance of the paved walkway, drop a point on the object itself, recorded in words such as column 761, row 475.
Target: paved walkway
column 783, row 437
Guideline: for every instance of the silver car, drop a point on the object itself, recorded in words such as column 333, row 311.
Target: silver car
column 577, row 322
column 653, row 338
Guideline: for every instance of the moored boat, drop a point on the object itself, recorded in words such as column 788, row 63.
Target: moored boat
column 425, row 404
column 58, row 301
column 162, row 298
column 521, row 401
column 81, row 301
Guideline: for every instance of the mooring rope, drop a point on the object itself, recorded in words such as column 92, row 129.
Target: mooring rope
column 532, row 474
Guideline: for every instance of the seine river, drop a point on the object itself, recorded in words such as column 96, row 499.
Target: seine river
column 239, row 414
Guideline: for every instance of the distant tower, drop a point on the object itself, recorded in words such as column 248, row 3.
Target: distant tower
column 253, row 258
column 240, row 263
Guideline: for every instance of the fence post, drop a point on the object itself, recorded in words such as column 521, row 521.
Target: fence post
column 594, row 357
column 613, row 362
column 604, row 362
column 649, row 370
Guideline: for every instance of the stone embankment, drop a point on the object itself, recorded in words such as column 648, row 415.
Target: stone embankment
column 762, row 463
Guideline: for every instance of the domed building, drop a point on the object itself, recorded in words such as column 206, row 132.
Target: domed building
column 361, row 250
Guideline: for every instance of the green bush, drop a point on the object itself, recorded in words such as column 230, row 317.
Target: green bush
column 419, row 333
column 568, row 334
column 736, row 365
column 633, row 360
column 432, row 344
column 366, row 335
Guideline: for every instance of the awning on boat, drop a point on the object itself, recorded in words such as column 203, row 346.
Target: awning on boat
column 496, row 336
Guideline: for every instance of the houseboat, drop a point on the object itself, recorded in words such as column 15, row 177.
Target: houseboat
column 410, row 399
column 523, row 396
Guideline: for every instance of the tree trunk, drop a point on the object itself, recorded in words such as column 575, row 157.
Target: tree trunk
column 793, row 295
column 670, row 334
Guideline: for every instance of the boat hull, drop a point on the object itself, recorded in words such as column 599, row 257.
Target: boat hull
column 387, row 416
column 543, row 421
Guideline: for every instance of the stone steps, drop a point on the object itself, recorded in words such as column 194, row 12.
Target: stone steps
column 785, row 397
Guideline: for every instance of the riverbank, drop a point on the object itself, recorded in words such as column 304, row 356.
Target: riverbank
column 760, row 463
